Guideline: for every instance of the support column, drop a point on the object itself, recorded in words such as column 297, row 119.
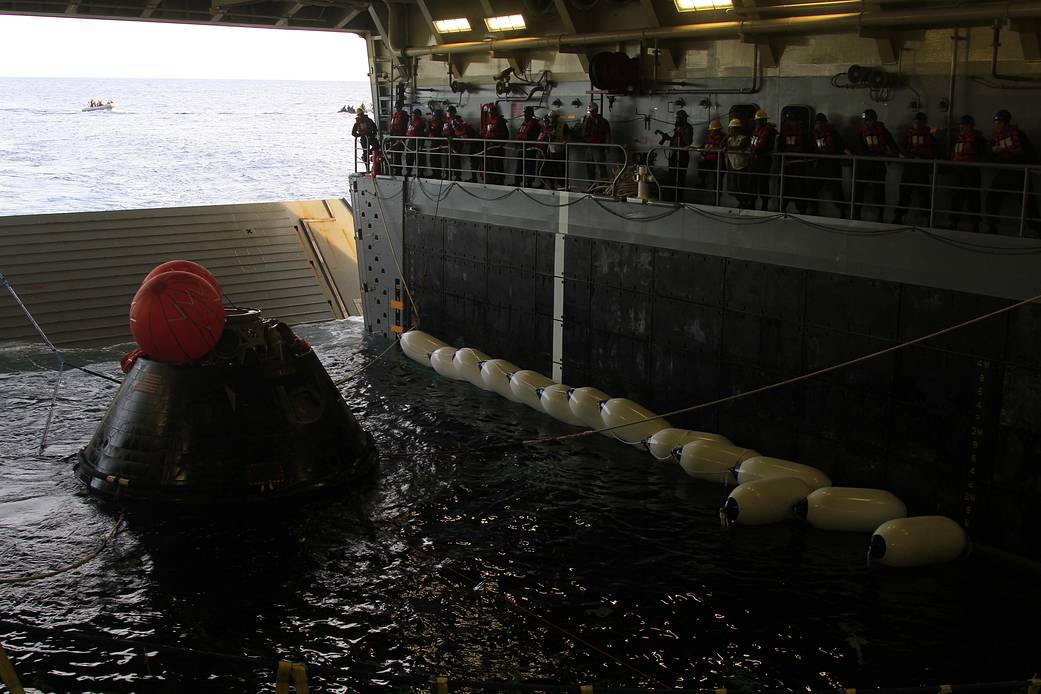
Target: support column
column 558, row 286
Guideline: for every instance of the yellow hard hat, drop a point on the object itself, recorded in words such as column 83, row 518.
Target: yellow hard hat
column 761, row 114
column 735, row 123
column 714, row 124
column 360, row 109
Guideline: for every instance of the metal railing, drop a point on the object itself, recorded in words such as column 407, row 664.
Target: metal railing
column 575, row 166
column 995, row 198
column 987, row 197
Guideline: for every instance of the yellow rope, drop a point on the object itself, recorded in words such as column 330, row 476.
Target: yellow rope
column 789, row 381
column 74, row 565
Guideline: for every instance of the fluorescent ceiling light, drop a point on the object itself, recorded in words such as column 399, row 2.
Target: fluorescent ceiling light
column 505, row 23
column 692, row 5
column 452, row 26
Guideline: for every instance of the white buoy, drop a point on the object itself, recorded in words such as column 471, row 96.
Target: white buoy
column 763, row 466
column 850, row 509
column 496, row 375
column 585, row 405
column 642, row 423
column 526, row 386
column 713, row 461
column 917, row 541
column 468, row 366
column 417, row 345
column 764, row 501
column 556, row 402
column 443, row 361
column 663, row 444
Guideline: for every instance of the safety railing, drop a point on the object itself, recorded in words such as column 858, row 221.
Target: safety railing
column 989, row 197
column 575, row 166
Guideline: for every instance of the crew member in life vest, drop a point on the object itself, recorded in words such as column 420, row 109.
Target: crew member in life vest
column 827, row 172
column 709, row 163
column 793, row 143
column 417, row 128
column 463, row 143
column 737, row 148
column 1009, row 145
column 495, row 152
column 873, row 141
column 970, row 148
column 397, row 128
column 761, row 143
column 553, row 136
column 436, row 156
column 678, row 158
column 528, row 153
column 365, row 134
column 916, row 178
column 596, row 131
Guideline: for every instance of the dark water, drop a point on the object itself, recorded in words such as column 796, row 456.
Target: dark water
column 483, row 567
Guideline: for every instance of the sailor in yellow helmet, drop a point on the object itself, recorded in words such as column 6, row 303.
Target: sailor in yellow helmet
column 738, row 159
column 763, row 140
column 366, row 133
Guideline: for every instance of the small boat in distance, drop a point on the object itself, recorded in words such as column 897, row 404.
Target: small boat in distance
column 98, row 105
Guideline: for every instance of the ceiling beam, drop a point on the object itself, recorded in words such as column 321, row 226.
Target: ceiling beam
column 569, row 28
column 1029, row 38
column 293, row 9
column 671, row 58
column 888, row 44
column 425, row 9
column 347, row 17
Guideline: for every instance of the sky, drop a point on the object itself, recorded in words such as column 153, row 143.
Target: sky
column 60, row 47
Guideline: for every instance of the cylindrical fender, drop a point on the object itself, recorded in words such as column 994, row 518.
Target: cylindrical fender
column 496, row 375
column 556, row 402
column 526, row 387
column 443, row 361
column 417, row 345
column 468, row 366
column 713, row 461
column 763, row 501
column 667, row 442
column 917, row 541
column 644, row 423
column 850, row 509
column 585, row 405
column 763, row 466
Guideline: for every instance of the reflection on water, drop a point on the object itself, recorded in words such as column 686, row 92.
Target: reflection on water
column 585, row 562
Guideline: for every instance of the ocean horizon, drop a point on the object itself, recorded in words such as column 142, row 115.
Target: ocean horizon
column 171, row 142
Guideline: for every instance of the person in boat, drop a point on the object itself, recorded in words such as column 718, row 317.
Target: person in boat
column 397, row 129
column 554, row 134
column 528, row 132
column 365, row 133
column 596, row 131
column 495, row 153
column 417, row 129
column 678, row 158
column 436, row 157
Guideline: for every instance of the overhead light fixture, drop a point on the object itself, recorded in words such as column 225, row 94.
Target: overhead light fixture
column 694, row 5
column 510, row 22
column 452, row 26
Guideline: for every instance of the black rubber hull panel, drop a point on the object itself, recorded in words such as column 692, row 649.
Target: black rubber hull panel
column 225, row 435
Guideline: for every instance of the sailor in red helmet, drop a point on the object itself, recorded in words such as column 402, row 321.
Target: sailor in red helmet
column 916, row 177
column 827, row 172
column 596, row 131
column 529, row 154
column 970, row 148
column 453, row 164
column 793, row 143
column 761, row 144
column 1010, row 145
column 397, row 129
column 417, row 129
column 495, row 152
column 873, row 141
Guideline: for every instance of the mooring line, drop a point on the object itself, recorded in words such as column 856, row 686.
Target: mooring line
column 105, row 541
